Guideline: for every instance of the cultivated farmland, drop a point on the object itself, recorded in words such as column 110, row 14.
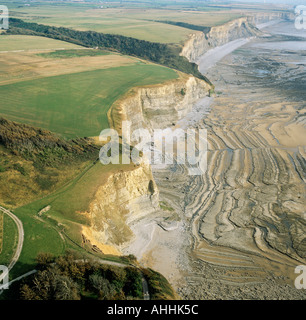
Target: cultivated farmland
column 75, row 104
column 132, row 22
column 23, row 42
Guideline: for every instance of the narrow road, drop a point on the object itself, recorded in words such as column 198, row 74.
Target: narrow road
column 20, row 240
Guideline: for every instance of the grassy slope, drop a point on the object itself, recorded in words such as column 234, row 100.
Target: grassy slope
column 34, row 162
column 40, row 154
column 22, row 181
column 41, row 151
column 75, row 104
column 75, row 197
column 43, row 234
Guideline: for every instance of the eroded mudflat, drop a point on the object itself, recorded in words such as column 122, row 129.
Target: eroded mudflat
column 245, row 218
column 238, row 231
column 248, row 211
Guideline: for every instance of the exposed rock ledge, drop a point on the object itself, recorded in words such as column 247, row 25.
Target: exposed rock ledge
column 129, row 195
column 158, row 106
column 199, row 42
column 132, row 194
column 126, row 196
column 262, row 17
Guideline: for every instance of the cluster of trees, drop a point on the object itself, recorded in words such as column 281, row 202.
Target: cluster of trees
column 164, row 54
column 186, row 25
column 42, row 146
column 70, row 278
column 159, row 286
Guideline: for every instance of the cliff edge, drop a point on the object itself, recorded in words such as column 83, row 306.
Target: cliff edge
column 200, row 42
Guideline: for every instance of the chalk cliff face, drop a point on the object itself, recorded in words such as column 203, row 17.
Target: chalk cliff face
column 266, row 17
column 125, row 197
column 199, row 43
column 158, row 106
column 129, row 195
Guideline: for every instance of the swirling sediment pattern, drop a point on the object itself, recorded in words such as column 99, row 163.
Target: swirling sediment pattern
column 246, row 214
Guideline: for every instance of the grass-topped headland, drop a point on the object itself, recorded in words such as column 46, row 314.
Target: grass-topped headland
column 164, row 54
column 76, row 104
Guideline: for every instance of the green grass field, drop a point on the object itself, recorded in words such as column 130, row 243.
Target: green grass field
column 75, row 196
column 21, row 42
column 75, row 104
column 38, row 237
column 129, row 27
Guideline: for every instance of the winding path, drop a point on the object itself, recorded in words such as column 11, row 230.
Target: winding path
column 20, row 240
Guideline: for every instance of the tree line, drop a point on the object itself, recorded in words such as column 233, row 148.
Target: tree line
column 186, row 25
column 74, row 277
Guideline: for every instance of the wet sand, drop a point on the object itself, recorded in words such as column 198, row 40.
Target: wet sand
column 242, row 226
column 248, row 223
